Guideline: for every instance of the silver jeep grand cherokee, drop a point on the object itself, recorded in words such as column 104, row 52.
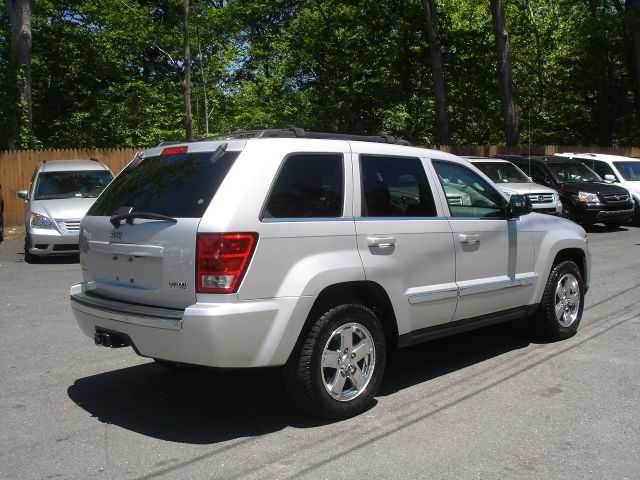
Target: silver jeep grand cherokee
column 318, row 252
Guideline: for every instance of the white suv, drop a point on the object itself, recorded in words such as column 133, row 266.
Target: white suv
column 624, row 171
column 317, row 252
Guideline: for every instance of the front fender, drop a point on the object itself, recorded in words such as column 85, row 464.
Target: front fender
column 563, row 236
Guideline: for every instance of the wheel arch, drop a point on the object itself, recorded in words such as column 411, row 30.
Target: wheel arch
column 368, row 293
column 576, row 255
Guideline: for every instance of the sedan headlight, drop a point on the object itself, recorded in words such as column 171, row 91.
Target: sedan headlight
column 584, row 197
column 40, row 221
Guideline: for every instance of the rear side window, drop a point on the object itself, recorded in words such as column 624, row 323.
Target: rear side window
column 395, row 187
column 537, row 173
column 177, row 185
column 309, row 185
column 601, row 168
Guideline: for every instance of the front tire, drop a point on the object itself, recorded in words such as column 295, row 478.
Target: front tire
column 338, row 368
column 613, row 224
column 28, row 257
column 562, row 303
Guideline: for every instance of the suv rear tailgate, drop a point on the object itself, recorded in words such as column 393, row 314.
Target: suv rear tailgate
column 151, row 261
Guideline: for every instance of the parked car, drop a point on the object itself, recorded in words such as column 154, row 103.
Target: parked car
column 510, row 179
column 59, row 195
column 623, row 171
column 289, row 248
column 585, row 197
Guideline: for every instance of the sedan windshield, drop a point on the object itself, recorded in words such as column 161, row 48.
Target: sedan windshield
column 572, row 172
column 502, row 172
column 630, row 171
column 82, row 184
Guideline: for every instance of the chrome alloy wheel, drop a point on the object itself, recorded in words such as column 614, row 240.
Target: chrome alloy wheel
column 567, row 300
column 348, row 361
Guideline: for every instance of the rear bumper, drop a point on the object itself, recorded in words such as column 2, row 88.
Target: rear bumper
column 244, row 334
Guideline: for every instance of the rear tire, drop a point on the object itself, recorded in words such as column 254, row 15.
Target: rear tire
column 560, row 311
column 338, row 367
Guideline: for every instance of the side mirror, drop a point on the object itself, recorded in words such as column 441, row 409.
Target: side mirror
column 609, row 178
column 518, row 205
column 24, row 194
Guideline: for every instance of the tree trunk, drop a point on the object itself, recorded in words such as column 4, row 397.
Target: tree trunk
column 204, row 92
column 598, row 49
column 19, row 13
column 435, row 51
column 186, row 80
column 539, row 58
column 505, row 78
column 633, row 24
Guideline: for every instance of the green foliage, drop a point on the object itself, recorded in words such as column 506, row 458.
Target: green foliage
column 108, row 73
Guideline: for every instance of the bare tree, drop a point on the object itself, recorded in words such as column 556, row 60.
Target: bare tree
column 19, row 13
column 186, row 80
column 505, row 77
column 435, row 51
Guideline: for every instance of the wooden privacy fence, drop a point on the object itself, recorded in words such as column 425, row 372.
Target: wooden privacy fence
column 17, row 166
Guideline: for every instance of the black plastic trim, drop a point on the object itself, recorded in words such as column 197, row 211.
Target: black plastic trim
column 459, row 326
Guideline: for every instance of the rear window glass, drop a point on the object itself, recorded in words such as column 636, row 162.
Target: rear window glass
column 71, row 184
column 178, row 185
column 308, row 186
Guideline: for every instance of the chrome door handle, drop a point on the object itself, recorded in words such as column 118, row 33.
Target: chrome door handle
column 381, row 242
column 469, row 238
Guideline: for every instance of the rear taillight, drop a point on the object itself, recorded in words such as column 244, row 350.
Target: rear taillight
column 222, row 260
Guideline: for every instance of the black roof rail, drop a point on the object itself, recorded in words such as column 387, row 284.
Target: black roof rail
column 292, row 131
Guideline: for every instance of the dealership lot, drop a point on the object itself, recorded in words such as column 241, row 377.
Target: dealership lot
column 493, row 403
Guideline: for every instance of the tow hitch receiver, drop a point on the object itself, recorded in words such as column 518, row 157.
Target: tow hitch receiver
column 110, row 339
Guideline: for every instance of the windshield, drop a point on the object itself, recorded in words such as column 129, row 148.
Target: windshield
column 71, row 184
column 176, row 185
column 572, row 172
column 501, row 172
column 630, row 171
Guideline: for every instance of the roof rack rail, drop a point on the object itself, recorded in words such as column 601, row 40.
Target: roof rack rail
column 295, row 132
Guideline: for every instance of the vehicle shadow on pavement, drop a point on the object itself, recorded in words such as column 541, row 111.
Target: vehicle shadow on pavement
column 410, row 366
column 53, row 260
column 190, row 405
column 597, row 228
column 200, row 406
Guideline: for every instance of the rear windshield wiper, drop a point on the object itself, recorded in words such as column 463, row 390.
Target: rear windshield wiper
column 129, row 217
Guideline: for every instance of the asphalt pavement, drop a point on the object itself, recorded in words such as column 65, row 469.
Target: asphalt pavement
column 490, row 404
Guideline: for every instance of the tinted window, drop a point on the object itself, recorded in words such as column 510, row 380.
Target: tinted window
column 468, row 195
column 502, row 172
column 602, row 168
column 395, row 187
column 629, row 170
column 80, row 184
column 572, row 172
column 179, row 185
column 308, row 186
